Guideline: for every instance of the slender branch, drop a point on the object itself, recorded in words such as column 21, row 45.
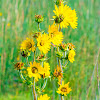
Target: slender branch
column 34, row 92
column 44, row 85
column 27, row 61
column 21, row 76
column 62, row 98
column 39, row 26
column 34, row 57
column 33, row 86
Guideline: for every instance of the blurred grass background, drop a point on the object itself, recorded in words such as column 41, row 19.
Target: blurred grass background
column 17, row 21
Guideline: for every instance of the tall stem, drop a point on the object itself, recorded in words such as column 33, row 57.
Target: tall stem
column 34, row 57
column 33, row 86
column 34, row 92
column 62, row 98
column 44, row 85
column 39, row 26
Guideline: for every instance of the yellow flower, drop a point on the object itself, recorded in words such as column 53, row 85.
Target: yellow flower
column 71, row 55
column 46, row 70
column 28, row 44
column 0, row 14
column 8, row 24
column 34, row 70
column 64, row 89
column 44, row 97
column 65, row 16
column 55, row 36
column 43, row 43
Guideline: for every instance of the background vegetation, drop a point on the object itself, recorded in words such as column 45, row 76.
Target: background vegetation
column 17, row 22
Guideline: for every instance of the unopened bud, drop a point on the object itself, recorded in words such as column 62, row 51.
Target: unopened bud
column 58, row 2
column 25, row 53
column 19, row 65
column 36, row 34
column 38, row 18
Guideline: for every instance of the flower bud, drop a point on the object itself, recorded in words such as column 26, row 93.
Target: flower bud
column 25, row 53
column 70, row 46
column 58, row 2
column 59, row 54
column 57, row 73
column 19, row 65
column 38, row 18
column 63, row 47
column 36, row 34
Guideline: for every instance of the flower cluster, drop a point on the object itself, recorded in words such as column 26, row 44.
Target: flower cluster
column 40, row 44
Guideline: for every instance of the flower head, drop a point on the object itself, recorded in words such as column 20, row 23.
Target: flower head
column 35, row 70
column 43, row 43
column 58, row 73
column 38, row 18
column 44, row 97
column 64, row 89
column 19, row 65
column 28, row 44
column 36, row 34
column 71, row 55
column 63, row 47
column 55, row 36
column 70, row 46
column 65, row 16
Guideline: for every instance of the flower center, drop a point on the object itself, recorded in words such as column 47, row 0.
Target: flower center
column 41, row 43
column 57, row 73
column 52, row 35
column 24, row 54
column 59, row 19
column 63, row 89
column 29, row 45
column 34, row 69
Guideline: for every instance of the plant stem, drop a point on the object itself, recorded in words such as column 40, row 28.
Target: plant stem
column 34, row 92
column 22, row 77
column 33, row 86
column 39, row 26
column 34, row 57
column 44, row 85
column 62, row 98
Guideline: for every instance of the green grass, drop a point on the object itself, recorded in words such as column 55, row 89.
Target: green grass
column 20, row 15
